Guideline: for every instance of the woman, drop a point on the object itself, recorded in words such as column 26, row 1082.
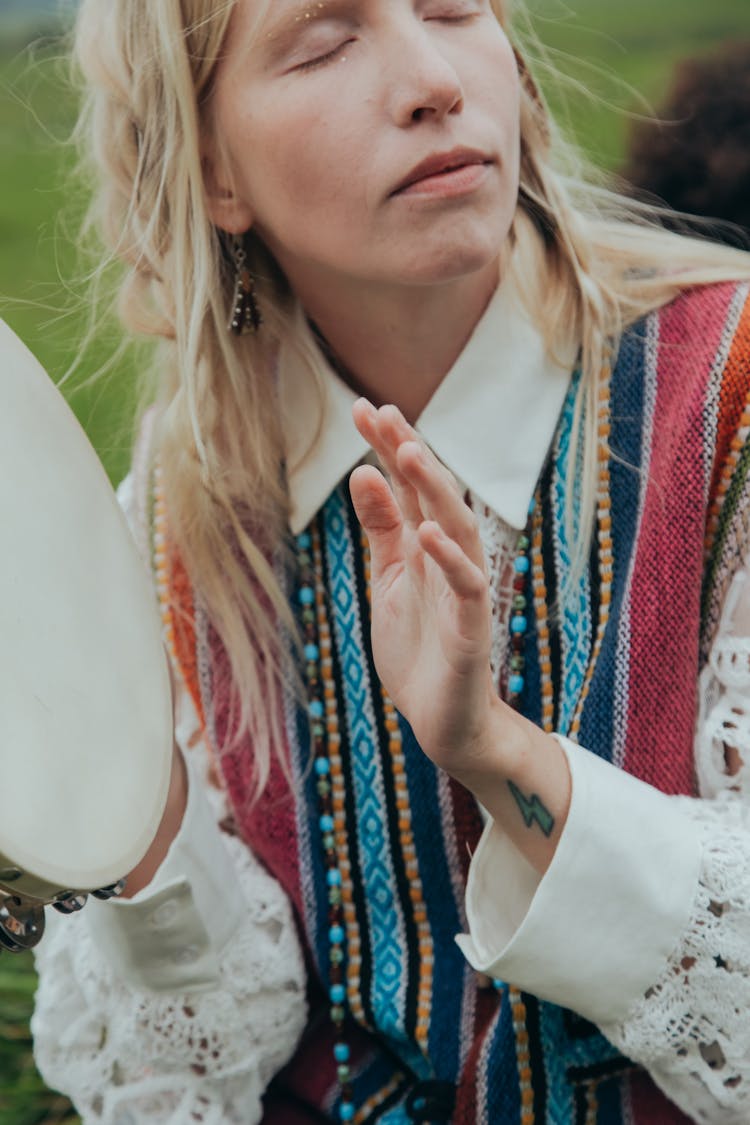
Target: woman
column 372, row 188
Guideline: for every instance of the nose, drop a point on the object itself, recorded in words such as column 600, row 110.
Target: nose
column 423, row 83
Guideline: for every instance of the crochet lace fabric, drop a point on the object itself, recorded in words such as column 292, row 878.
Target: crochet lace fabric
column 691, row 1029
column 499, row 543
column 137, row 1058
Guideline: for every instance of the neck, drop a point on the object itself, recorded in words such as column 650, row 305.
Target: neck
column 398, row 346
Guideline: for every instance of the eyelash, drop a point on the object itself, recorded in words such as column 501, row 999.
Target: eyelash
column 329, row 56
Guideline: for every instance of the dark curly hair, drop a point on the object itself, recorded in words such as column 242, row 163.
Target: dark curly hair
column 696, row 156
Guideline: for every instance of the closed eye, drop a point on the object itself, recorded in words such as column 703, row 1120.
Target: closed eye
column 329, row 56
column 460, row 11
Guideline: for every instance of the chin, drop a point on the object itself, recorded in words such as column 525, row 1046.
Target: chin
column 450, row 263
column 464, row 245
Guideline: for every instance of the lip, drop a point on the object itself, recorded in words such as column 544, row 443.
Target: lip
column 442, row 162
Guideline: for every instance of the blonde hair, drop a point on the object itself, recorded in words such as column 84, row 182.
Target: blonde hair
column 148, row 69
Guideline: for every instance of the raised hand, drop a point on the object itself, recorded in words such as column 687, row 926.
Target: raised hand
column 430, row 593
column 431, row 635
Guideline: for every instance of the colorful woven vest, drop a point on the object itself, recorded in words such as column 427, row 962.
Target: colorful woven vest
column 616, row 668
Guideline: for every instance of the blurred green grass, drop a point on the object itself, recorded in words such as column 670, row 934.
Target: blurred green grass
column 42, row 295
column 23, row 1097
column 624, row 54
column 613, row 49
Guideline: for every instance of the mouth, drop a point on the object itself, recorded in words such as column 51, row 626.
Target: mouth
column 442, row 164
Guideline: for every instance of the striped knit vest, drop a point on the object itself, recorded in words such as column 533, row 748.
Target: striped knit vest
column 615, row 668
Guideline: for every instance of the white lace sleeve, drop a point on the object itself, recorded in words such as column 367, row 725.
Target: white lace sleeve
column 129, row 1056
column 663, row 965
column 181, row 1005
column 691, row 1029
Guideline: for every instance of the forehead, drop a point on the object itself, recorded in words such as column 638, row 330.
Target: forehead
column 249, row 16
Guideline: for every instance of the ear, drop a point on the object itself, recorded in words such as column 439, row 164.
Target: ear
column 225, row 207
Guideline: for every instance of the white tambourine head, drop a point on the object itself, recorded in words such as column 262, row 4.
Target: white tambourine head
column 85, row 707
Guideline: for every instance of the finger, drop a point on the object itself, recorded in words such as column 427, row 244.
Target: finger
column 440, row 500
column 379, row 515
column 467, row 581
column 375, row 429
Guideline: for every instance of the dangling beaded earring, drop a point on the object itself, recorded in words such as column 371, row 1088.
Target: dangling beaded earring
column 246, row 317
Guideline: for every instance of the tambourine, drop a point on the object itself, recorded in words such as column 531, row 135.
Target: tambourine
column 85, row 706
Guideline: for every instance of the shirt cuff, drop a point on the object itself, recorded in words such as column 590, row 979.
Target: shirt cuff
column 595, row 932
column 170, row 935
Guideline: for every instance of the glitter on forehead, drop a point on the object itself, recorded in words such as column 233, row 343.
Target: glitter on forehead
column 311, row 12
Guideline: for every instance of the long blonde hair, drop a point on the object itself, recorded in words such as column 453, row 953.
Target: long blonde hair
column 147, row 70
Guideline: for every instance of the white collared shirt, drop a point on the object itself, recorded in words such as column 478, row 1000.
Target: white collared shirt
column 491, row 420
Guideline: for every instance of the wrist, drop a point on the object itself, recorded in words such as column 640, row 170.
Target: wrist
column 498, row 751
column 523, row 781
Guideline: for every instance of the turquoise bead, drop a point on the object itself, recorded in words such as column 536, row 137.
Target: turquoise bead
column 341, row 1052
column 304, row 542
column 322, row 767
column 515, row 684
column 521, row 565
column 336, row 935
column 333, row 877
column 306, row 595
column 519, row 624
column 326, row 823
column 337, row 993
column 316, row 709
column 346, row 1111
column 312, row 652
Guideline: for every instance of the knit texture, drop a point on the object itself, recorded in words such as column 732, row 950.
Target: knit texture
column 613, row 661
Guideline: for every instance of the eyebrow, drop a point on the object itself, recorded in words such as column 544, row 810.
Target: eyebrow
column 284, row 33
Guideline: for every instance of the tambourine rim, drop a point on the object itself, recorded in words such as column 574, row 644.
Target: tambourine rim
column 156, row 751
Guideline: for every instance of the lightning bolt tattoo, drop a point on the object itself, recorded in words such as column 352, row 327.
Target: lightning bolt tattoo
column 532, row 810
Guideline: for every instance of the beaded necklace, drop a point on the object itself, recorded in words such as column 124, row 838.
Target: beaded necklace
column 321, row 701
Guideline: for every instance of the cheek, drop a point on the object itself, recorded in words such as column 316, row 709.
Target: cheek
column 297, row 162
column 502, row 85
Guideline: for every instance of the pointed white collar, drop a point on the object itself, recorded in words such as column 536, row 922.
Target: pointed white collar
column 490, row 421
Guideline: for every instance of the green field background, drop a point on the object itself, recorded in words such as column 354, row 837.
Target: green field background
column 622, row 52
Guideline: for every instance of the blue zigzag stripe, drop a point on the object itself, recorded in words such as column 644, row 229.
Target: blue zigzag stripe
column 386, row 923
column 575, row 601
